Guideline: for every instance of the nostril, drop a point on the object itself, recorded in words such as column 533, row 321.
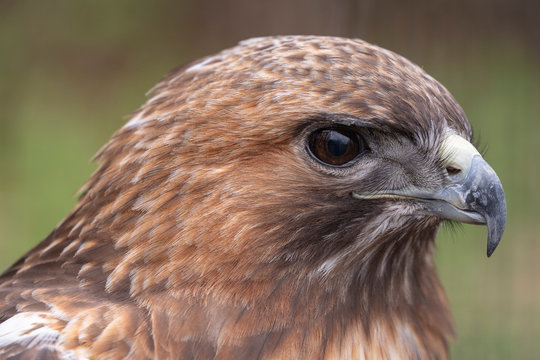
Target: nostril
column 452, row 170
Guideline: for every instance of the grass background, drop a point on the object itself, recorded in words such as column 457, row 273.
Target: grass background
column 70, row 71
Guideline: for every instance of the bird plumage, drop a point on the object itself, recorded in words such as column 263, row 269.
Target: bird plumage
column 209, row 231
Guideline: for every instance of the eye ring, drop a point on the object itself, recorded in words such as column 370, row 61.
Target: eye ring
column 336, row 146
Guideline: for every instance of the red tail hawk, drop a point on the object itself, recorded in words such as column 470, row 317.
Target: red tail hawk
column 278, row 200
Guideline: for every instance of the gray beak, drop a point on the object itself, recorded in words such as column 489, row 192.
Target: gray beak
column 476, row 199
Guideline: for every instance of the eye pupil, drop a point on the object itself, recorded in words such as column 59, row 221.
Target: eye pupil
column 335, row 146
column 338, row 144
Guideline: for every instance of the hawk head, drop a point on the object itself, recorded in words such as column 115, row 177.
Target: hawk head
column 282, row 195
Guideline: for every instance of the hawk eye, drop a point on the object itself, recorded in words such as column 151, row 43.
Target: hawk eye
column 335, row 146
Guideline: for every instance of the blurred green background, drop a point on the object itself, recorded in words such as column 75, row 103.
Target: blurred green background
column 70, row 71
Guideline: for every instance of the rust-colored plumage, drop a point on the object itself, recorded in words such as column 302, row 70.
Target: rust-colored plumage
column 213, row 229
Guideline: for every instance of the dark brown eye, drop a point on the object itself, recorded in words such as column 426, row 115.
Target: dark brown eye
column 336, row 146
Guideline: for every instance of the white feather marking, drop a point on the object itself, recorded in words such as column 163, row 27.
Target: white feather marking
column 85, row 246
column 86, row 267
column 199, row 66
column 70, row 247
column 28, row 330
column 253, row 40
column 53, row 244
column 136, row 121
column 386, row 222
column 327, row 266
column 75, row 228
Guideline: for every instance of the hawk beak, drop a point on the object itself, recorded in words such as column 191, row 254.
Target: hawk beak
column 476, row 199
column 473, row 194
